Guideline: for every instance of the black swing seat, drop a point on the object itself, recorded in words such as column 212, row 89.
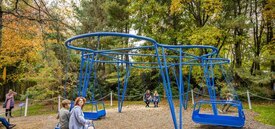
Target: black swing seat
column 219, row 119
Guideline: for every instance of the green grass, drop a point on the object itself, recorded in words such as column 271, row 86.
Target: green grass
column 36, row 109
column 266, row 113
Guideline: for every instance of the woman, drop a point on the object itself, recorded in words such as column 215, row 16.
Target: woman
column 10, row 102
column 147, row 98
column 77, row 120
column 156, row 98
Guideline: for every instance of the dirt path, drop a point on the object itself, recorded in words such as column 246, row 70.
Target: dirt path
column 133, row 117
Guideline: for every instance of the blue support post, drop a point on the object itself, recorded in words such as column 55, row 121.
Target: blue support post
column 213, row 86
column 89, row 67
column 118, row 88
column 166, row 83
column 126, row 78
column 87, row 63
column 209, row 87
column 181, row 89
column 188, row 87
column 81, row 73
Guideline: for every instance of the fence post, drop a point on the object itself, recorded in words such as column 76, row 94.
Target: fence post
column 192, row 95
column 58, row 103
column 26, row 106
column 111, row 97
column 248, row 99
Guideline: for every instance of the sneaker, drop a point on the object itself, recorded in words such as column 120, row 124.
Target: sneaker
column 11, row 126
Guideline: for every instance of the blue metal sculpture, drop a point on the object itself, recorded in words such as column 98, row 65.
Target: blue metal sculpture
column 164, row 57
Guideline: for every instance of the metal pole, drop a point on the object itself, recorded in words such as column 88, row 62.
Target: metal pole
column 58, row 103
column 248, row 99
column 192, row 95
column 26, row 106
column 111, row 98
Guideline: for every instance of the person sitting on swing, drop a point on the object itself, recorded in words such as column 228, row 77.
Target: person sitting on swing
column 229, row 97
column 147, row 98
column 156, row 98
column 6, row 123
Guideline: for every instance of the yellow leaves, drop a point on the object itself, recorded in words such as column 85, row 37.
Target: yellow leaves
column 176, row 7
column 4, row 74
column 21, row 39
column 206, row 35
column 269, row 10
column 212, row 6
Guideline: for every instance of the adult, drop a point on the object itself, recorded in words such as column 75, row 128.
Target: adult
column 156, row 98
column 147, row 98
column 10, row 102
column 6, row 123
column 77, row 120
column 64, row 114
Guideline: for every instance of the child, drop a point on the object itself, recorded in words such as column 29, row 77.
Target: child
column 64, row 114
column 156, row 99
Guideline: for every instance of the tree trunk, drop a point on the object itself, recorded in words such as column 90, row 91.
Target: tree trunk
column 257, row 35
column 1, row 22
column 237, row 33
column 238, row 52
column 269, row 37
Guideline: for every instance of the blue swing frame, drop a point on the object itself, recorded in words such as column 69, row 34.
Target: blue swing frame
column 162, row 56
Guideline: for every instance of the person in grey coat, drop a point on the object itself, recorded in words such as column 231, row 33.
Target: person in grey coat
column 77, row 120
column 64, row 114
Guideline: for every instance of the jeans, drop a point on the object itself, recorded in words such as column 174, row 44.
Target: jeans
column 5, row 122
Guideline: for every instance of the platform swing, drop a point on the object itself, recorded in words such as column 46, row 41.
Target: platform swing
column 215, row 117
column 166, row 57
column 88, row 72
column 98, row 106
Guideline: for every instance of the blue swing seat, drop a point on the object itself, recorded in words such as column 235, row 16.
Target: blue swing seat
column 219, row 119
column 96, row 114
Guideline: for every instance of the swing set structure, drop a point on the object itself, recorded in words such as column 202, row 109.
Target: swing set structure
column 168, row 59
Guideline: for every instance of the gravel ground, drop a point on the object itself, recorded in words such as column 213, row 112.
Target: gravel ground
column 133, row 117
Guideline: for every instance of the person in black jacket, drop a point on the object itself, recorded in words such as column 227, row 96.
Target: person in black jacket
column 147, row 98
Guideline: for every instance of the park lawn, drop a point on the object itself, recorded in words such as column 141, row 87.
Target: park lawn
column 266, row 113
column 36, row 109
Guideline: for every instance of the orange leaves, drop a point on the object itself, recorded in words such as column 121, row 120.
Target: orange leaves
column 21, row 41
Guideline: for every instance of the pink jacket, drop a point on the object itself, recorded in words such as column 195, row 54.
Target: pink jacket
column 10, row 100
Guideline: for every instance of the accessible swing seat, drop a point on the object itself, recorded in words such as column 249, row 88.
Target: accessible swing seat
column 98, row 110
column 218, row 118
